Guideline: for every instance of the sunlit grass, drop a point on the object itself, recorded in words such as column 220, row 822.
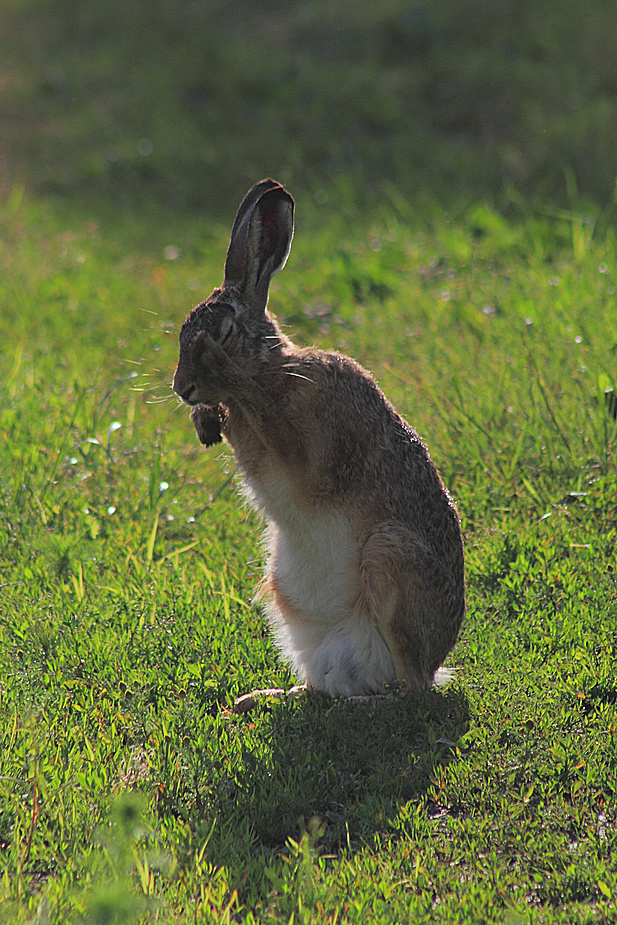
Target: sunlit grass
column 128, row 567
column 129, row 792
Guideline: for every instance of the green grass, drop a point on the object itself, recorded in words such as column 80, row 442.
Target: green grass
column 479, row 287
column 128, row 787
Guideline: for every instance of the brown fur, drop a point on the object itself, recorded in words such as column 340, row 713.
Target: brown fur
column 317, row 441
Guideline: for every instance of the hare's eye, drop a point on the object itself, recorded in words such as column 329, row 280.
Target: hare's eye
column 227, row 331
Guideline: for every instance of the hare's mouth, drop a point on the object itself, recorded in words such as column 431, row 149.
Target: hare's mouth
column 192, row 397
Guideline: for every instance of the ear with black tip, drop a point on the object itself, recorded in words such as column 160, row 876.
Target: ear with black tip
column 248, row 204
column 260, row 240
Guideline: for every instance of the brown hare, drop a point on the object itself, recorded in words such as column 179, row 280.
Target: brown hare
column 365, row 576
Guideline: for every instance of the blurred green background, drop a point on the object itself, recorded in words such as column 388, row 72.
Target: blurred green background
column 182, row 104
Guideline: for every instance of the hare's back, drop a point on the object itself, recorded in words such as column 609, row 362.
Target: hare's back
column 366, row 458
column 359, row 436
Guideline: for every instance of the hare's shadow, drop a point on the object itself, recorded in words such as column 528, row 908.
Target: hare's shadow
column 350, row 765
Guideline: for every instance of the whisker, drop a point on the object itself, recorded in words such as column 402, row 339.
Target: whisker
column 298, row 376
column 159, row 400
column 285, row 369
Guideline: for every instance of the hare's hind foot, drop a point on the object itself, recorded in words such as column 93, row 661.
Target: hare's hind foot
column 248, row 702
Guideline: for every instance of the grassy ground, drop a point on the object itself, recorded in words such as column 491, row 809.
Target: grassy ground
column 128, row 790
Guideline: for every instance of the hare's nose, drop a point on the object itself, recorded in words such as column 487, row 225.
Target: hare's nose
column 186, row 396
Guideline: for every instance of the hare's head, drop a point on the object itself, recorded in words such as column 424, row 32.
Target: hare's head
column 235, row 316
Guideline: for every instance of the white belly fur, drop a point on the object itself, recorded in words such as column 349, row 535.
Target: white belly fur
column 322, row 628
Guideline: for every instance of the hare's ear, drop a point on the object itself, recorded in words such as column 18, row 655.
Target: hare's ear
column 260, row 240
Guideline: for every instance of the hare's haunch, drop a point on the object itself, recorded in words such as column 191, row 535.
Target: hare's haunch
column 364, row 581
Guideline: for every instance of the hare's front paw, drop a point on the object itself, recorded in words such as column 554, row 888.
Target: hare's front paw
column 207, row 421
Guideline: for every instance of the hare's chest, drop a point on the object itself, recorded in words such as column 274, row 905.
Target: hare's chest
column 316, row 567
column 313, row 553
